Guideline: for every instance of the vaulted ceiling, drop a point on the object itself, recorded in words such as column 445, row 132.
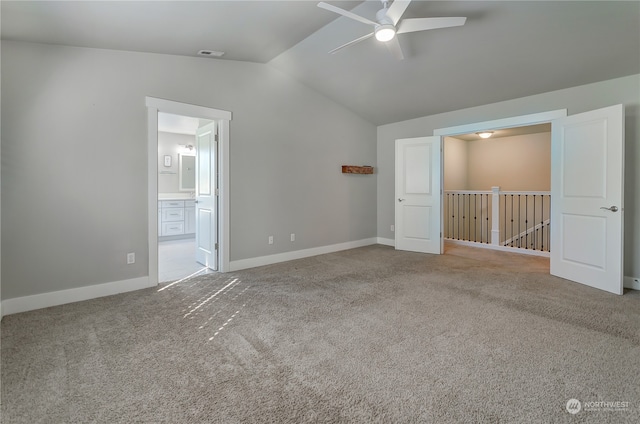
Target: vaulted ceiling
column 506, row 49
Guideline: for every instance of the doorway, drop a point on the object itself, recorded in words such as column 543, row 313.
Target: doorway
column 510, row 125
column 587, row 156
column 497, row 189
column 177, row 160
column 219, row 238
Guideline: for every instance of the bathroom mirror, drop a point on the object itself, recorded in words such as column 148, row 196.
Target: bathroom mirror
column 187, row 172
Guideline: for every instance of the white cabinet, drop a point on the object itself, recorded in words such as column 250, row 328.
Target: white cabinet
column 172, row 228
column 176, row 217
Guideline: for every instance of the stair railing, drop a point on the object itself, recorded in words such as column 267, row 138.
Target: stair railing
column 518, row 219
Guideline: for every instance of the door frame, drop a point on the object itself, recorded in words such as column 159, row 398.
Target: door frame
column 496, row 124
column 223, row 118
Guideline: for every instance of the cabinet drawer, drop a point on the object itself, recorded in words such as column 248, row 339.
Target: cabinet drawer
column 189, row 203
column 173, row 203
column 172, row 214
column 172, row 228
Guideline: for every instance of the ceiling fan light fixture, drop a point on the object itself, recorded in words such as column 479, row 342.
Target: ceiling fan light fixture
column 485, row 134
column 385, row 32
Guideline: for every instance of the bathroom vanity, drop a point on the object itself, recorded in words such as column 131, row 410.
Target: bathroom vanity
column 176, row 218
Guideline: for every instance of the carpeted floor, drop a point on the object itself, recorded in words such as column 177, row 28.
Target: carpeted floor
column 365, row 335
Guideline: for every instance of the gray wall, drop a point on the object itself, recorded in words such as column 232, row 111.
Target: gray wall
column 624, row 90
column 74, row 161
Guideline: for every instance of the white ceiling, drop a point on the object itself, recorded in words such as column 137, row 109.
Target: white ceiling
column 179, row 124
column 506, row 49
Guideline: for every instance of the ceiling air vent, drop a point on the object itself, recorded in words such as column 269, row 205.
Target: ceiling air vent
column 210, row 53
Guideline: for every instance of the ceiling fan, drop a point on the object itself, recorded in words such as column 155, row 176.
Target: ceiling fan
column 389, row 22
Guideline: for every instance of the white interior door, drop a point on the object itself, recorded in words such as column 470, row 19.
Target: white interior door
column 418, row 197
column 206, row 196
column 587, row 158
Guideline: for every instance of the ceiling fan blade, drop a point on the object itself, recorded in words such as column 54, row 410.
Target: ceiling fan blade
column 396, row 10
column 357, row 40
column 346, row 13
column 394, row 47
column 422, row 24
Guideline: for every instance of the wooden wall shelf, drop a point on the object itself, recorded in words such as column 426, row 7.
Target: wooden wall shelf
column 352, row 169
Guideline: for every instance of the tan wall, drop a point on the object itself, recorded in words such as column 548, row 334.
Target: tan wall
column 512, row 163
column 455, row 164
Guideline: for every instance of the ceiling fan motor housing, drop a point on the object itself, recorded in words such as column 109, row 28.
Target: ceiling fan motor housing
column 385, row 30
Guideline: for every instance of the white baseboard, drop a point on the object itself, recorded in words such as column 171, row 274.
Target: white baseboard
column 498, row 247
column 298, row 254
column 632, row 283
column 387, row 242
column 61, row 297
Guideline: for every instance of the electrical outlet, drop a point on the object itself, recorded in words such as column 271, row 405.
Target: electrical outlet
column 293, row 237
column 131, row 258
column 270, row 239
column 393, row 227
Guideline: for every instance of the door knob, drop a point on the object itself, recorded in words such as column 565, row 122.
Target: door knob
column 612, row 208
column 400, row 200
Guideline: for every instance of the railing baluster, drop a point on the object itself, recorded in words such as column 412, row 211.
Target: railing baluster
column 469, row 222
column 526, row 221
column 542, row 223
column 535, row 234
column 458, row 210
column 487, row 219
column 461, row 207
column 505, row 217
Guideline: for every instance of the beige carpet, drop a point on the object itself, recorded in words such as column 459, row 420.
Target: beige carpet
column 365, row 335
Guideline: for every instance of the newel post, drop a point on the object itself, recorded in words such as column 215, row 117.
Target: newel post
column 495, row 215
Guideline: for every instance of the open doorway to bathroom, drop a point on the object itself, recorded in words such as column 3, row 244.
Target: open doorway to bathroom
column 211, row 188
column 177, row 154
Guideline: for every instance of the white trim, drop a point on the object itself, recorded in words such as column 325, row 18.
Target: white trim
column 186, row 109
column 515, row 121
column 526, row 232
column 632, row 283
column 223, row 117
column 521, row 251
column 299, row 254
column 224, row 239
column 386, row 241
column 152, row 195
column 61, row 297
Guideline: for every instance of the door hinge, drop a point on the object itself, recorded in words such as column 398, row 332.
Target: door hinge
column 215, row 137
column 216, row 246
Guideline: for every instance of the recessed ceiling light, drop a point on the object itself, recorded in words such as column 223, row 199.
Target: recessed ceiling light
column 210, row 53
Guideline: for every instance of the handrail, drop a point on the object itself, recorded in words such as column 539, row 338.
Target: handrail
column 527, row 232
column 468, row 191
column 526, row 193
column 530, row 193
